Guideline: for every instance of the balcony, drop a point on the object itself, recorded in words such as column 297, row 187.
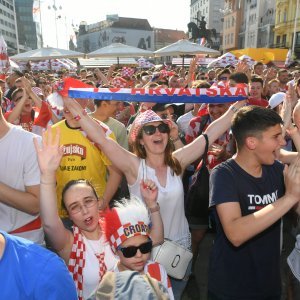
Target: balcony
column 279, row 45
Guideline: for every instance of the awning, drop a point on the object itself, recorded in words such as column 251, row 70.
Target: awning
column 105, row 62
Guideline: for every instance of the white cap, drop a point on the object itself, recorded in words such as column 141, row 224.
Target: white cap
column 276, row 99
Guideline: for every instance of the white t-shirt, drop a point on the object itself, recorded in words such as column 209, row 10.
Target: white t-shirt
column 171, row 202
column 91, row 277
column 18, row 169
column 184, row 121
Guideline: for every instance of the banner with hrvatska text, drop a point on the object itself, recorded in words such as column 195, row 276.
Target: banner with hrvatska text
column 163, row 95
column 74, row 88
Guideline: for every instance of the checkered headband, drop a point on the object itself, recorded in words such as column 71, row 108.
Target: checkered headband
column 129, row 218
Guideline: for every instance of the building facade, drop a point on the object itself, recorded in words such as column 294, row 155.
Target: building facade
column 284, row 25
column 257, row 24
column 212, row 12
column 28, row 31
column 233, row 13
column 8, row 25
column 129, row 31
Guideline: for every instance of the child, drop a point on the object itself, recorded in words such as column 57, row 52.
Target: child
column 127, row 228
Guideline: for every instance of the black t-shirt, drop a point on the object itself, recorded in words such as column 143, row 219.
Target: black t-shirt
column 251, row 271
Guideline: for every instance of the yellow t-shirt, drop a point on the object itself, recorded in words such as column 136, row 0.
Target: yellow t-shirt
column 82, row 159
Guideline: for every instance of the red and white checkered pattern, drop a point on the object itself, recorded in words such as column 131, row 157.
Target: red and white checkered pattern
column 127, row 72
column 119, row 82
column 247, row 59
column 77, row 262
column 127, row 219
column 118, row 237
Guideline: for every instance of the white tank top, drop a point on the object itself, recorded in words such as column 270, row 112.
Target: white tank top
column 171, row 202
column 91, row 276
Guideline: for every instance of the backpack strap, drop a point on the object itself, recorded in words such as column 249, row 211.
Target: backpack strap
column 204, row 156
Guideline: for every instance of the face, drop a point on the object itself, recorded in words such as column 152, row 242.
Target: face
column 137, row 262
column 259, row 70
column 2, row 86
column 154, row 143
column 211, row 75
column 268, row 145
column 224, row 77
column 274, row 88
column 173, row 82
column 113, row 107
column 27, row 107
column 217, row 110
column 83, row 207
column 283, row 77
column 256, row 90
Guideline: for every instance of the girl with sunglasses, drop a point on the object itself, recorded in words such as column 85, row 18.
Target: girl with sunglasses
column 85, row 250
column 154, row 159
column 127, row 228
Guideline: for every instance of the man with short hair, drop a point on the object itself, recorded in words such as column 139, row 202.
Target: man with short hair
column 248, row 195
column 283, row 77
column 256, row 89
column 258, row 69
column 105, row 111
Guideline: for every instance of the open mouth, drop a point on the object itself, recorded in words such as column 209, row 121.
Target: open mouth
column 158, row 141
column 88, row 221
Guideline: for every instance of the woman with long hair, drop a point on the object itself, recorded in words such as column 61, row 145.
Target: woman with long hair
column 85, row 250
column 154, row 159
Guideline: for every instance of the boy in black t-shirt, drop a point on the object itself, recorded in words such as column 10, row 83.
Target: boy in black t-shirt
column 249, row 195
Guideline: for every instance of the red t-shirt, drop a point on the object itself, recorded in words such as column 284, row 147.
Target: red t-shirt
column 259, row 102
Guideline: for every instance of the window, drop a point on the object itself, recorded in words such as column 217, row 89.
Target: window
column 278, row 16
column 278, row 39
column 284, row 16
column 284, row 39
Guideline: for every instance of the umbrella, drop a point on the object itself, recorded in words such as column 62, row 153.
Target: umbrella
column 119, row 50
column 184, row 47
column 4, row 60
column 47, row 53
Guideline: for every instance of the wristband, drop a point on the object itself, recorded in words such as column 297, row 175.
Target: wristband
column 154, row 209
column 234, row 109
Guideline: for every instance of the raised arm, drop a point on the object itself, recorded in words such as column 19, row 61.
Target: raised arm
column 149, row 193
column 125, row 161
column 49, row 156
column 194, row 150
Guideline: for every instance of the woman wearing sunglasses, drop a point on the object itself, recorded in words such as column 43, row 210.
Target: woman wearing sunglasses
column 85, row 250
column 127, row 228
column 154, row 159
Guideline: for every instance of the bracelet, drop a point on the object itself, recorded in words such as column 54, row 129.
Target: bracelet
column 48, row 183
column 175, row 140
column 154, row 209
column 234, row 109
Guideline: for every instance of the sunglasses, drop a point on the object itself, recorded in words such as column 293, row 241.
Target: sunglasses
column 151, row 129
column 131, row 251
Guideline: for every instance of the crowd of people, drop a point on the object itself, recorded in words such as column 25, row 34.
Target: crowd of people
column 101, row 183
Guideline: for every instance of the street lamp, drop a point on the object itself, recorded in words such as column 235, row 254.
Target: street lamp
column 55, row 8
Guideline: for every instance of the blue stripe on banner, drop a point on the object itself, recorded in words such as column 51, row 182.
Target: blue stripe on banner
column 181, row 95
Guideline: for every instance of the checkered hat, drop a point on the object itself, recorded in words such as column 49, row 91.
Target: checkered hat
column 128, row 218
column 127, row 72
column 119, row 82
column 146, row 117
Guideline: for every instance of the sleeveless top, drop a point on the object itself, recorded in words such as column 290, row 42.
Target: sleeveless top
column 171, row 202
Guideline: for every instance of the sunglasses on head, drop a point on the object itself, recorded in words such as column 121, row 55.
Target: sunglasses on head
column 131, row 251
column 151, row 129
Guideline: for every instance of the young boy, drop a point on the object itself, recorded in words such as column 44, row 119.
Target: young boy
column 249, row 195
column 128, row 230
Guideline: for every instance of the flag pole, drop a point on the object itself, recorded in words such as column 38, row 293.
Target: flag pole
column 295, row 28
